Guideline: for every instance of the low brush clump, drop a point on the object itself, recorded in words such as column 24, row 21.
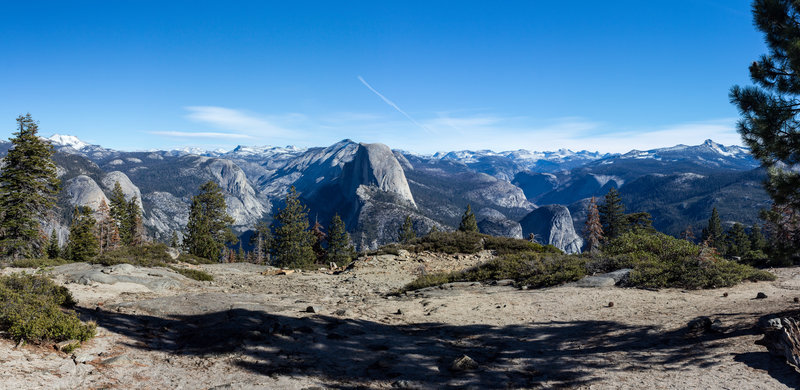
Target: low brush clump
column 660, row 261
column 38, row 262
column 656, row 260
column 33, row 308
column 153, row 255
column 467, row 243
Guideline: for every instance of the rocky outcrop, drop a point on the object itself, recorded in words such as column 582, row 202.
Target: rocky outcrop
column 494, row 223
column 375, row 165
column 552, row 224
column 243, row 204
column 83, row 191
column 128, row 188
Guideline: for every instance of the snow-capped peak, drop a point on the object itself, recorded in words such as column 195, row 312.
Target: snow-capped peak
column 68, row 140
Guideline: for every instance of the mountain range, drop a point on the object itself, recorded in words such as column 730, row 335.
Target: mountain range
column 373, row 188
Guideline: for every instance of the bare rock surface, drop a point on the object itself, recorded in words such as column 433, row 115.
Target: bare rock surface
column 251, row 329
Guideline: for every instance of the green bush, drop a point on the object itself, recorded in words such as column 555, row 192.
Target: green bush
column 531, row 269
column 195, row 274
column 38, row 263
column 31, row 309
column 448, row 242
column 192, row 259
column 151, row 255
column 507, row 245
column 661, row 261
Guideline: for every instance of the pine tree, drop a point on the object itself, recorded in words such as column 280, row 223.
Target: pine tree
column 28, row 186
column 120, row 212
column 340, row 250
column 292, row 247
column 770, row 110
column 83, row 243
column 107, row 231
column 138, row 234
column 53, row 249
column 757, row 240
column 406, row 232
column 468, row 223
column 593, row 230
column 174, row 242
column 612, row 214
column 261, row 241
column 737, row 243
column 208, row 231
column 688, row 234
column 433, row 230
column 713, row 231
column 319, row 241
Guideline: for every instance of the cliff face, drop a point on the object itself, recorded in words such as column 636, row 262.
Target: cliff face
column 374, row 165
column 83, row 191
column 552, row 224
column 128, row 188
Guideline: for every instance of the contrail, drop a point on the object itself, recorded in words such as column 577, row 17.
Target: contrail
column 391, row 103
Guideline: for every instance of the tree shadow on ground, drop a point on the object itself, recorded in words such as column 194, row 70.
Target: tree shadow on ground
column 354, row 353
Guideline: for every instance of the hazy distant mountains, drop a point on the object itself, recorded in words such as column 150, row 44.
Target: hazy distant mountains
column 373, row 187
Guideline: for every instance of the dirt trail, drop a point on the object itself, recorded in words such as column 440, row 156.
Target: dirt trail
column 248, row 330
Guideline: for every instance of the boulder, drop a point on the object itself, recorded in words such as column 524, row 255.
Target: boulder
column 552, row 224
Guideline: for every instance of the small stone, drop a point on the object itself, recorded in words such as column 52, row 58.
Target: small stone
column 340, row 312
column 82, row 358
column 464, row 363
column 611, row 304
column 716, row 326
column 404, row 384
column 399, row 312
column 699, row 324
column 117, row 360
column 761, row 295
column 67, row 344
column 725, row 295
column 311, row 309
column 796, row 300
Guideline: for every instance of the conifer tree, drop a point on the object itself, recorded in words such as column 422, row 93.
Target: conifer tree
column 174, row 241
column 319, row 241
column 737, row 241
column 120, row 212
column 770, row 110
column 340, row 250
column 208, row 230
column 713, row 231
column 593, row 230
column 757, row 240
column 138, row 234
column 83, row 243
column 53, row 249
column 688, row 234
column 107, row 231
column 468, row 223
column 261, row 241
column 292, row 246
column 28, row 186
column 406, row 232
column 612, row 214
column 433, row 230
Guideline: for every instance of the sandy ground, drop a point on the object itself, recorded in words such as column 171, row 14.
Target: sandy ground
column 246, row 330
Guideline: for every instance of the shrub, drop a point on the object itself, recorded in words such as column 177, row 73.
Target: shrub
column 507, row 245
column 31, row 309
column 195, row 274
column 192, row 259
column 448, row 242
column 38, row 263
column 661, row 261
column 150, row 255
column 532, row 269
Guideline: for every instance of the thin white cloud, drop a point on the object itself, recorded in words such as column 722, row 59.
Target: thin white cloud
column 199, row 134
column 391, row 103
column 236, row 120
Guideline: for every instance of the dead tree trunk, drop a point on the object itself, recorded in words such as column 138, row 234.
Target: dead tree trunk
column 782, row 338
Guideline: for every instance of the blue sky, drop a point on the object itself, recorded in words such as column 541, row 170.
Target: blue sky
column 420, row 76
